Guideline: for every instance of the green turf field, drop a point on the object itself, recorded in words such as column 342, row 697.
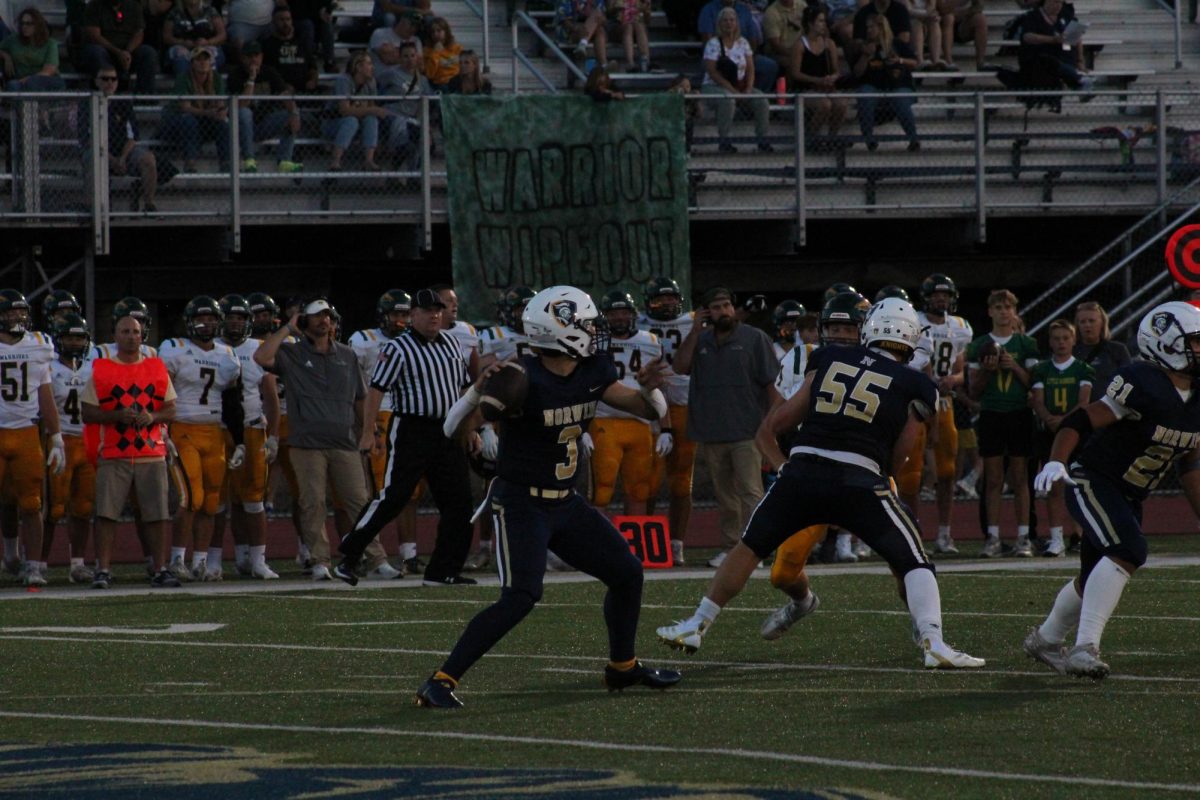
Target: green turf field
column 318, row 677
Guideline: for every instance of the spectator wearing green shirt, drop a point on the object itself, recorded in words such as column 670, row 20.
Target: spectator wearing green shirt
column 192, row 120
column 29, row 57
column 999, row 364
column 1060, row 384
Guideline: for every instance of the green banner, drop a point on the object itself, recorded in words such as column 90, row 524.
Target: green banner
column 547, row 190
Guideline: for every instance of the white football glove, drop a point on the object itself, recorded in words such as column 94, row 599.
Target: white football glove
column 57, row 460
column 664, row 445
column 172, row 451
column 491, row 443
column 239, row 457
column 587, row 444
column 1053, row 471
column 271, row 448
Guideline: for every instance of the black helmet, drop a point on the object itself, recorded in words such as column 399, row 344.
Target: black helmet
column 390, row 301
column 57, row 302
column 848, row 307
column 17, row 322
column 787, row 311
column 836, row 289
column 620, row 300
column 71, row 324
column 234, row 305
column 515, row 300
column 891, row 290
column 939, row 282
column 260, row 303
column 132, row 307
column 202, row 304
column 663, row 299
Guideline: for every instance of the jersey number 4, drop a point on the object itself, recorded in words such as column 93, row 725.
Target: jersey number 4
column 863, row 399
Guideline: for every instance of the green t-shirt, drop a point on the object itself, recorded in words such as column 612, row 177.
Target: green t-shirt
column 1061, row 384
column 1003, row 391
column 183, row 87
column 28, row 59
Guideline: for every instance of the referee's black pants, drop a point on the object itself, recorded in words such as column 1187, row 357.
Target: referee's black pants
column 416, row 448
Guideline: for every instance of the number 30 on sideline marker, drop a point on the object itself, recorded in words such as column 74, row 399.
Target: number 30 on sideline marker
column 648, row 539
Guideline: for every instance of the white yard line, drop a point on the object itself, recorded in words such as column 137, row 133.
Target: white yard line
column 388, row 622
column 620, row 747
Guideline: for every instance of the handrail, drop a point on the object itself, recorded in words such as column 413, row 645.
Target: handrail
column 1136, row 316
column 481, row 11
column 1174, row 11
column 555, row 51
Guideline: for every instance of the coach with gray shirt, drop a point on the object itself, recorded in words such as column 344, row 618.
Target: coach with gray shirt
column 733, row 369
column 325, row 404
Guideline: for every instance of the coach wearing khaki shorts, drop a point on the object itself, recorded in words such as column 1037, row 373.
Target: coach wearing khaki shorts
column 128, row 399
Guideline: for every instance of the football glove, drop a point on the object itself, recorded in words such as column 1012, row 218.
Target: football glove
column 271, row 448
column 664, row 445
column 239, row 457
column 57, row 460
column 491, row 443
column 587, row 444
column 1053, row 471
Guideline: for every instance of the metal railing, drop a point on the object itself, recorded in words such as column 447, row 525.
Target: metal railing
column 522, row 19
column 480, row 9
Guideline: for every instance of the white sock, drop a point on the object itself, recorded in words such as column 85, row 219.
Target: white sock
column 1056, row 535
column 11, row 553
column 214, row 556
column 993, row 531
column 1064, row 615
column 241, row 552
column 76, row 562
column 707, row 611
column 943, row 532
column 257, row 555
column 924, row 604
column 178, row 553
column 1100, row 597
column 199, row 560
column 1022, row 531
column 408, row 550
column 843, row 540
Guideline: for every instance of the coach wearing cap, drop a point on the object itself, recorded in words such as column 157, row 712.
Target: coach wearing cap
column 426, row 372
column 325, row 405
column 733, row 368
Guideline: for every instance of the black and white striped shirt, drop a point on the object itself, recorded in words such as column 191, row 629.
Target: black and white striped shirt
column 424, row 376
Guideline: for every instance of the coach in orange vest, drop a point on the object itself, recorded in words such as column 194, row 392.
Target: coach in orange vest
column 127, row 401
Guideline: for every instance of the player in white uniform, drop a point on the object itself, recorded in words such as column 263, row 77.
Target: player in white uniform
column 619, row 442
column 26, row 395
column 784, row 320
column 207, row 380
column 72, row 492
column 665, row 318
column 941, row 354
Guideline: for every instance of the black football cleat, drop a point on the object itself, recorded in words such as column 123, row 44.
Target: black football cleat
column 438, row 693
column 346, row 570
column 615, row 680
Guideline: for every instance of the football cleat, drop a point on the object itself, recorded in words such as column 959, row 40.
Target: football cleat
column 616, row 680
column 945, row 546
column 320, row 572
column 844, row 552
column 180, row 570
column 1083, row 661
column 264, row 572
column 943, row 656
column 384, row 572
column 684, row 635
column 414, row 565
column 344, row 571
column 212, row 574
column 81, row 573
column 163, row 580
column 1052, row 654
column 716, row 561
column 478, row 560
column 677, row 554
column 438, row 693
column 1055, row 549
column 783, row 618
column 991, row 547
column 34, row 575
column 862, row 550
column 103, row 580
column 1022, row 547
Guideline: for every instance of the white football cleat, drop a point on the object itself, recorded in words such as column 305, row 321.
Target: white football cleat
column 320, row 572
column 212, row 574
column 80, row 573
column 943, row 656
column 264, row 572
column 1055, row 549
column 716, row 561
column 180, row 570
column 1083, row 661
column 991, row 548
column 862, row 550
column 845, row 554
column 1022, row 547
column 783, row 618
column 684, row 635
column 384, row 572
column 945, row 546
column 1051, row 654
column 34, row 576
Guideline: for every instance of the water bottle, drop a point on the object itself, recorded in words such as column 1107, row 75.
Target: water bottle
column 781, row 90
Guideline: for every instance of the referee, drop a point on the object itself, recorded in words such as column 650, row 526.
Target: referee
column 425, row 370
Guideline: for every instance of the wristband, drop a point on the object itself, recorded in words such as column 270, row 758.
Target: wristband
column 655, row 398
column 1078, row 420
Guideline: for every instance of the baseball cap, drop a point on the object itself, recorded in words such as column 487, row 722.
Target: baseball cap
column 717, row 293
column 427, row 298
column 251, row 48
column 317, row 306
column 201, row 51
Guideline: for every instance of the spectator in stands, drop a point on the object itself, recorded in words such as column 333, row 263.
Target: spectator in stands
column 193, row 24
column 189, row 122
column 632, row 16
column 249, row 20
column 470, row 78
column 885, row 65
column 314, row 24
column 408, row 83
column 155, row 13
column 599, row 86
column 963, row 21
column 926, row 21
column 114, row 31
column 841, row 22
column 355, row 109
column 440, row 53
column 260, row 119
column 581, row 21
column 729, row 71
column 899, row 23
column 385, row 12
column 765, row 68
column 816, row 68
column 126, row 155
column 781, row 26
column 1095, row 346
column 385, row 43
column 289, row 55
column 29, row 57
column 1043, row 51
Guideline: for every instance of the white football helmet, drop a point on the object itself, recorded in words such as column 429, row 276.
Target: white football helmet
column 892, row 320
column 1163, row 336
column 564, row 319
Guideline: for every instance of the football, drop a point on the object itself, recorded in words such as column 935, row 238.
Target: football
column 503, row 393
column 988, row 348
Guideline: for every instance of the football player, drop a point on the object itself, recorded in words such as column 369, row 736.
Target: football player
column 860, row 407
column 246, row 486
column 535, row 507
column 55, row 305
column 25, row 396
column 784, row 320
column 72, row 492
column 664, row 316
column 1147, row 422
column 128, row 307
column 207, row 380
column 621, row 442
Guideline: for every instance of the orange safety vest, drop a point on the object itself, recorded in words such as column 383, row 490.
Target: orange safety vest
column 142, row 386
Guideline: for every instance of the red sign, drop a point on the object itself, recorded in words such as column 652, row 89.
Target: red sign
column 1181, row 256
column 649, row 540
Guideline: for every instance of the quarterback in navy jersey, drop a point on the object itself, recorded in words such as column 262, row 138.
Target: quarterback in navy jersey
column 1147, row 422
column 534, row 505
column 861, row 409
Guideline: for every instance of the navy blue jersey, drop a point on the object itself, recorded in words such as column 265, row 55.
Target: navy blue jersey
column 541, row 446
column 860, row 402
column 1159, row 428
